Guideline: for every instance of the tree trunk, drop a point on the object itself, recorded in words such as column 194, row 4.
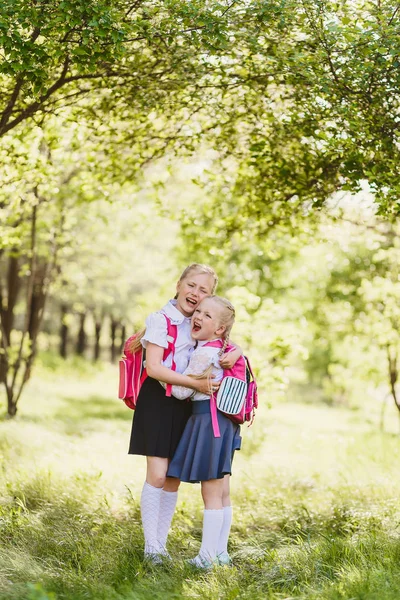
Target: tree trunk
column 393, row 374
column 81, row 342
column 11, row 403
column 97, row 332
column 38, row 301
column 113, row 331
column 123, row 339
column 64, row 329
column 35, row 313
column 7, row 306
column 18, row 368
column 18, row 356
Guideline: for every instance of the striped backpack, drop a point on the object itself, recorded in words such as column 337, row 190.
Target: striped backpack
column 237, row 396
column 132, row 369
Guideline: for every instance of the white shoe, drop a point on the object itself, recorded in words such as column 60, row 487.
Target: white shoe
column 154, row 559
column 201, row 563
column 156, row 554
column 163, row 552
column 224, row 559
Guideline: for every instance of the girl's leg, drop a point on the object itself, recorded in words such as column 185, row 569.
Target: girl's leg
column 150, row 502
column 212, row 492
column 156, row 472
column 222, row 547
column 169, row 497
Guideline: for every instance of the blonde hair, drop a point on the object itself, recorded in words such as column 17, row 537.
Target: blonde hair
column 227, row 318
column 135, row 343
column 198, row 268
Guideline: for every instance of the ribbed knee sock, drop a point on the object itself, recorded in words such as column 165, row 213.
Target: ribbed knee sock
column 222, row 547
column 150, row 509
column 167, row 508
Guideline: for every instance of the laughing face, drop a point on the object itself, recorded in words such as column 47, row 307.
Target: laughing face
column 192, row 290
column 206, row 321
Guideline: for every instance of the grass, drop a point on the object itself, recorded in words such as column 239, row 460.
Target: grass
column 315, row 492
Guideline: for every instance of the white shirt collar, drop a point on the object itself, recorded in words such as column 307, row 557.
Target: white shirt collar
column 174, row 314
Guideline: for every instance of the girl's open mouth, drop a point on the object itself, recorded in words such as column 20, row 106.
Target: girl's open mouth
column 196, row 327
column 191, row 301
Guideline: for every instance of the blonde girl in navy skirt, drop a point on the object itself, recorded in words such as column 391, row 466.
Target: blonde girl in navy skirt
column 159, row 420
column 200, row 456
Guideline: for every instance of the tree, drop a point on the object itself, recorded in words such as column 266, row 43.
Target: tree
column 105, row 59
column 310, row 95
column 56, row 240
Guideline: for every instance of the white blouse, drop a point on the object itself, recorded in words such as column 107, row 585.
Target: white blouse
column 156, row 333
column 200, row 360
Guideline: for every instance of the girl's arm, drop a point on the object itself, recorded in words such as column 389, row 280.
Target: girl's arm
column 228, row 359
column 155, row 369
column 199, row 367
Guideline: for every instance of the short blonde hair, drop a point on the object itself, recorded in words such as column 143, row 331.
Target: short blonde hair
column 200, row 269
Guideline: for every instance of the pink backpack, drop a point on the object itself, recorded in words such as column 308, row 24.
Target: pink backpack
column 132, row 371
column 237, row 396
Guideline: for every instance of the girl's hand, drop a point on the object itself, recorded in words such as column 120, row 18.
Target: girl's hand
column 228, row 359
column 206, row 386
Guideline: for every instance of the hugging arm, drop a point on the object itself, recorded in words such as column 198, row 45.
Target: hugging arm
column 197, row 365
column 228, row 359
column 155, row 369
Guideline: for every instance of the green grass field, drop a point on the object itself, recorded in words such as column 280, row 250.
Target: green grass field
column 315, row 489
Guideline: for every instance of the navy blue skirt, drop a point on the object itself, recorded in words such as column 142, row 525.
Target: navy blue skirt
column 200, row 456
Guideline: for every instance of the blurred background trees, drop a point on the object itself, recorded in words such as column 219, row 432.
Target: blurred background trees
column 259, row 137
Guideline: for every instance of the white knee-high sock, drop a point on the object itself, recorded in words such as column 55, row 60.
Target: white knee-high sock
column 212, row 524
column 222, row 547
column 150, row 509
column 167, row 509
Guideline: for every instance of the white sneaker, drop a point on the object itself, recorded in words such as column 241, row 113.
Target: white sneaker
column 153, row 558
column 201, row 563
column 224, row 559
column 163, row 552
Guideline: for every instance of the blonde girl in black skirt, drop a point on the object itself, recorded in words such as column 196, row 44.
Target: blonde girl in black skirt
column 200, row 456
column 159, row 420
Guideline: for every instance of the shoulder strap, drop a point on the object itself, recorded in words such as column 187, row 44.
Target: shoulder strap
column 214, row 344
column 219, row 344
column 172, row 334
column 248, row 365
column 172, row 330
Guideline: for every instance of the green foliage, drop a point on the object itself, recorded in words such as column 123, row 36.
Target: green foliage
column 308, row 98
column 38, row 593
column 303, row 98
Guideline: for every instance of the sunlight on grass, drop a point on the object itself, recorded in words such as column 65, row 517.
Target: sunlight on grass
column 315, row 492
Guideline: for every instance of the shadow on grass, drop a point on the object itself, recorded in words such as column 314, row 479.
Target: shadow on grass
column 79, row 412
column 93, row 407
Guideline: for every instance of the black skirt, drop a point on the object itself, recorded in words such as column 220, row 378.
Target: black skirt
column 158, row 421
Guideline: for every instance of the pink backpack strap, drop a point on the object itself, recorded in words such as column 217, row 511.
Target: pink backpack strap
column 219, row 344
column 213, row 399
column 172, row 334
column 214, row 344
column 214, row 416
